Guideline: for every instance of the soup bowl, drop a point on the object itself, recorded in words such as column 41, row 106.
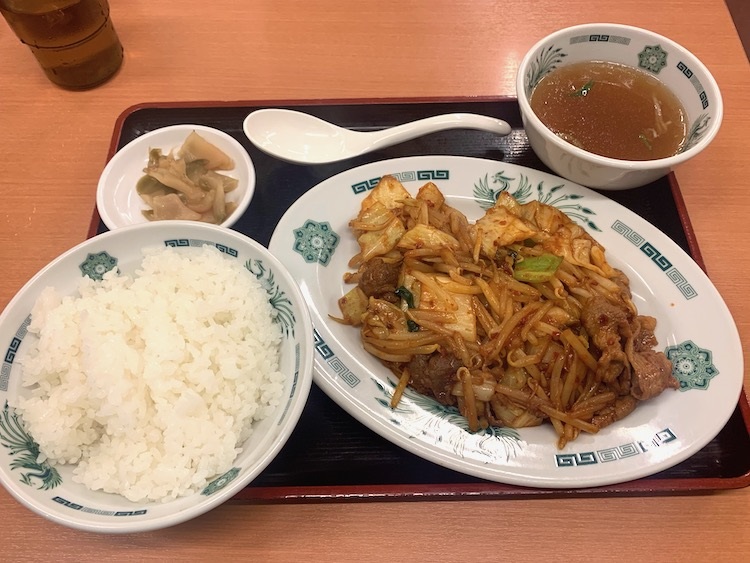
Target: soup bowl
column 670, row 63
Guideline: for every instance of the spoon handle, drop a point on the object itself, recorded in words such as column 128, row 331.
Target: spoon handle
column 411, row 130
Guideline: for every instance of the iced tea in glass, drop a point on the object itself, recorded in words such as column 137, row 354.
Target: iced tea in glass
column 74, row 41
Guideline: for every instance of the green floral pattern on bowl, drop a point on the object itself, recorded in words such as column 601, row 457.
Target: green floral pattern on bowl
column 652, row 58
column 25, row 452
column 96, row 265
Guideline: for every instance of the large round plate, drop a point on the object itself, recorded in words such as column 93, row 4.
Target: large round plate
column 694, row 328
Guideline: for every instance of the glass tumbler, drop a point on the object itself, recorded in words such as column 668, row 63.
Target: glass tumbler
column 73, row 41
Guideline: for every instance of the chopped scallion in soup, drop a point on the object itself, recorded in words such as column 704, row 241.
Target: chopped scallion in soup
column 611, row 110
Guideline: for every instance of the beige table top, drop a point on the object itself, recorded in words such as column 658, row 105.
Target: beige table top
column 53, row 146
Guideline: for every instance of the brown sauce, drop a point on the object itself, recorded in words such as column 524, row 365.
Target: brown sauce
column 611, row 110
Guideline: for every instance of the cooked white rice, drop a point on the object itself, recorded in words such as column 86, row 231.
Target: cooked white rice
column 151, row 383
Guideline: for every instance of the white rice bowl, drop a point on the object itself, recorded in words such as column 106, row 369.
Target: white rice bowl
column 222, row 430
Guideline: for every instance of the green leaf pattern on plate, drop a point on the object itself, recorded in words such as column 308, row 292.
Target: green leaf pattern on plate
column 544, row 63
column 282, row 306
column 486, row 193
column 25, row 452
column 420, row 414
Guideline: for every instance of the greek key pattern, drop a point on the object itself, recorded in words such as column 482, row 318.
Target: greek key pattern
column 628, row 233
column 624, row 451
column 333, row 361
column 321, row 347
column 76, row 506
column 365, row 185
column 343, row 372
column 4, row 376
column 433, row 175
column 661, row 261
column 407, row 176
column 657, row 257
column 10, row 353
column 603, row 37
column 178, row 242
column 683, row 68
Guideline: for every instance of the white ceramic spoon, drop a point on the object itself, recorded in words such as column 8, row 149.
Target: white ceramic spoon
column 302, row 138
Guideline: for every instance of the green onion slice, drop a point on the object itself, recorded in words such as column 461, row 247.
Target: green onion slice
column 583, row 90
column 536, row 269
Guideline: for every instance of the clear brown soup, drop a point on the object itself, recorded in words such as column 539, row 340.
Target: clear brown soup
column 611, row 110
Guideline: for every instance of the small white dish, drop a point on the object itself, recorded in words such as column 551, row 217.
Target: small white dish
column 118, row 201
column 50, row 490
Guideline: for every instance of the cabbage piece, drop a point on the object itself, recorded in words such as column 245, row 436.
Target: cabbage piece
column 389, row 192
column 172, row 173
column 195, row 170
column 546, row 218
column 509, row 222
column 578, row 247
column 513, row 416
column 379, row 230
column 196, row 147
column 149, row 187
column 499, row 227
column 421, row 236
column 466, row 321
column 353, row 306
column 228, row 183
column 432, row 195
column 170, row 206
column 385, row 315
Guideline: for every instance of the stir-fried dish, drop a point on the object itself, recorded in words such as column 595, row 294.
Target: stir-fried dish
column 515, row 320
column 186, row 185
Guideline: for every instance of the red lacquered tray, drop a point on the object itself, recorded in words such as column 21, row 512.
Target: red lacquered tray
column 332, row 457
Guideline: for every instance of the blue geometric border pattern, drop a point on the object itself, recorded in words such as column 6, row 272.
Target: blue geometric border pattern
column 76, row 506
column 687, row 290
column 10, row 353
column 616, row 453
column 333, row 361
column 177, row 242
column 600, row 37
column 407, row 176
column 683, row 68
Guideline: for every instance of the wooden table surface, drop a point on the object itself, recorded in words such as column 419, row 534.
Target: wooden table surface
column 53, row 146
